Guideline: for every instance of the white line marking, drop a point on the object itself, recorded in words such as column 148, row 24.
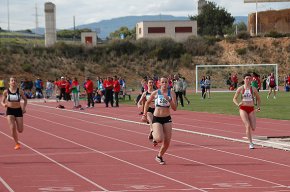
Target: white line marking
column 118, row 159
column 233, row 172
column 177, row 129
column 261, row 143
column 59, row 164
column 6, row 185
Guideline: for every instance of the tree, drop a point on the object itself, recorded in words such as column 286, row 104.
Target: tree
column 213, row 20
column 70, row 34
column 237, row 27
column 124, row 32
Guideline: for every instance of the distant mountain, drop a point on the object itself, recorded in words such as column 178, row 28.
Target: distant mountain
column 105, row 27
column 40, row 30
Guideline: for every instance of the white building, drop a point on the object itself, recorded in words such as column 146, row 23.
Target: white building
column 177, row 30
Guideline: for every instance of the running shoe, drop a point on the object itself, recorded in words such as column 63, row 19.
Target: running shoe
column 17, row 146
column 160, row 160
column 251, row 146
column 150, row 136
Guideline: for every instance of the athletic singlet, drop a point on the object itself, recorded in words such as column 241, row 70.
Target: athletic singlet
column 247, row 94
column 13, row 97
column 148, row 96
column 160, row 101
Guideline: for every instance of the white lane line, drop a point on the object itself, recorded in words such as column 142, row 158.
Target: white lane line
column 6, row 185
column 116, row 158
column 59, row 164
column 259, row 143
column 177, row 129
column 233, row 172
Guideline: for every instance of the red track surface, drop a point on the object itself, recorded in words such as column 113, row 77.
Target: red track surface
column 106, row 149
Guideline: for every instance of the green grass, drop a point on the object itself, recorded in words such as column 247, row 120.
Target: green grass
column 221, row 103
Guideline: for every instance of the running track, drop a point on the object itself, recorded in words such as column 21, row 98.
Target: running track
column 106, row 149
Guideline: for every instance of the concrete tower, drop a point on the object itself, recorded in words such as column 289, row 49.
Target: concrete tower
column 201, row 3
column 50, row 24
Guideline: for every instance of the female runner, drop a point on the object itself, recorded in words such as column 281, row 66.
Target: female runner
column 14, row 110
column 246, row 106
column 161, row 123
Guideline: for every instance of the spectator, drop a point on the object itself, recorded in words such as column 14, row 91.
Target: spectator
column 75, row 87
column 178, row 89
column 235, row 80
column 230, row 84
column 202, row 86
column 2, row 86
column 264, row 82
column 271, row 81
column 116, row 90
column 38, row 88
column 123, row 86
column 49, row 89
column 67, row 89
column 185, row 85
column 61, row 86
column 109, row 85
column 89, row 86
column 207, row 84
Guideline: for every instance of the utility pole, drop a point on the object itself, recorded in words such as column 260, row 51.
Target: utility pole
column 256, row 17
column 8, row 15
column 36, row 24
column 74, row 22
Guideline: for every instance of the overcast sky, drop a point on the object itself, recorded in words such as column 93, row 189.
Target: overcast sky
column 22, row 12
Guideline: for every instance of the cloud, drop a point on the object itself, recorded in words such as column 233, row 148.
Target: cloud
column 88, row 11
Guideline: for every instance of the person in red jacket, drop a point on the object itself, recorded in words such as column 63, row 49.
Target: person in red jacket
column 61, row 85
column 116, row 89
column 67, row 89
column 89, row 85
column 108, row 85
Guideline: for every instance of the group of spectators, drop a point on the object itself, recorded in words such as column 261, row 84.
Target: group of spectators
column 105, row 90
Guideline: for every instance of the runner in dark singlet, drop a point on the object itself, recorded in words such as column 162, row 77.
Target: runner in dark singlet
column 14, row 110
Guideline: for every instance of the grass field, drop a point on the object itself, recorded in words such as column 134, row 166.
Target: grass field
column 222, row 103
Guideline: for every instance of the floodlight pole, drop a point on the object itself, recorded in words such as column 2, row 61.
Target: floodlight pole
column 8, row 15
column 256, row 17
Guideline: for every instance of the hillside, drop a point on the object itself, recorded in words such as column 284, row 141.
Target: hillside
column 134, row 60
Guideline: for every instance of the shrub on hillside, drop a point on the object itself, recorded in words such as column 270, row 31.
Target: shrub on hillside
column 231, row 38
column 243, row 35
column 241, row 51
column 274, row 34
column 121, row 47
column 145, row 46
column 185, row 60
column 27, row 67
column 196, row 46
column 211, row 40
column 167, row 48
